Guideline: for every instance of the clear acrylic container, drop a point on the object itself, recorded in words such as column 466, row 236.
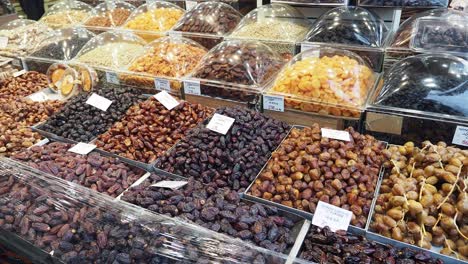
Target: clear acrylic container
column 21, row 37
column 421, row 97
column 279, row 26
column 325, row 3
column 66, row 13
column 111, row 50
column 169, row 59
column 154, row 19
column 324, row 82
column 353, row 28
column 404, row 3
column 208, row 22
column 109, row 14
column 237, row 70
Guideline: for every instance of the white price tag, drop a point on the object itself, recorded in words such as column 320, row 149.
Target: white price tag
column 192, row 87
column 336, row 134
column 461, row 136
column 3, row 42
column 38, row 97
column 166, row 99
column 82, row 33
column 190, row 4
column 306, row 46
column 169, row 184
column 82, row 148
column 220, row 123
column 19, row 73
column 334, row 217
column 42, row 142
column 273, row 103
column 112, row 77
column 99, row 102
column 162, row 84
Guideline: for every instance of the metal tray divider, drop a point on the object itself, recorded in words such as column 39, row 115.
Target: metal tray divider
column 299, row 241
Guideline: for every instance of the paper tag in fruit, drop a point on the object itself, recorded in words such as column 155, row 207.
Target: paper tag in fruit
column 166, row 99
column 42, row 142
column 112, row 77
column 99, row 102
column 220, row 123
column 19, row 73
column 336, row 134
column 461, row 136
column 82, row 148
column 273, row 103
column 190, row 4
column 38, row 97
column 192, row 87
column 169, row 184
column 3, row 42
column 162, row 84
column 332, row 216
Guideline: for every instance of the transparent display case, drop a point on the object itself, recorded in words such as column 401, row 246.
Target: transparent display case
column 352, row 28
column 421, row 97
column 324, row 85
column 399, row 44
column 20, row 37
column 108, row 15
column 279, row 26
column 66, row 13
column 208, row 23
column 168, row 60
column 404, row 3
column 68, row 80
column 325, row 3
column 154, row 19
column 235, row 70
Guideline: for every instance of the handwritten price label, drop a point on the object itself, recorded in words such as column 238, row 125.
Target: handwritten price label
column 461, row 136
column 220, row 123
column 273, row 103
column 334, row 217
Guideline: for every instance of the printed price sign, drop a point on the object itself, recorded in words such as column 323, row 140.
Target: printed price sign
column 192, row 87
column 112, row 77
column 162, row 84
column 169, row 184
column 82, row 148
column 167, row 100
column 3, row 42
column 308, row 46
column 336, row 134
column 273, row 103
column 332, row 216
column 461, row 136
column 99, row 102
column 220, row 123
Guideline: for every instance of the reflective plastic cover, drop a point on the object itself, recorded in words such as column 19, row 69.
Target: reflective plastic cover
column 426, row 83
column 22, row 36
column 404, row 3
column 111, row 50
column 277, row 22
column 349, row 25
column 156, row 16
column 66, row 13
column 209, row 17
column 239, row 62
column 62, row 44
column 327, row 81
column 110, row 14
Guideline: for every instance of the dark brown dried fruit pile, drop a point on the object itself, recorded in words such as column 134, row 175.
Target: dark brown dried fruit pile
column 325, row 247
column 307, row 169
column 232, row 160
column 218, row 209
column 149, row 129
column 103, row 174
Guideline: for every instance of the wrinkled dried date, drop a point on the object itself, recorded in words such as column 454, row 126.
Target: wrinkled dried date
column 218, row 209
column 307, row 169
column 23, row 85
column 102, row 174
column 232, row 160
column 149, row 129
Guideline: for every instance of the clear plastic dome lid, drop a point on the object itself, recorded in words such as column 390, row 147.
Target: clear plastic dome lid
column 241, row 62
column 402, row 38
column 110, row 14
column 435, row 83
column 209, row 17
column 326, row 75
column 349, row 25
column 63, row 44
column 277, row 22
column 169, row 56
column 111, row 50
column 67, row 13
column 155, row 16
column 21, row 36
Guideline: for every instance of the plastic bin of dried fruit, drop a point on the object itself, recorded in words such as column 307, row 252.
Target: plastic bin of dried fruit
column 108, row 15
column 66, row 13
